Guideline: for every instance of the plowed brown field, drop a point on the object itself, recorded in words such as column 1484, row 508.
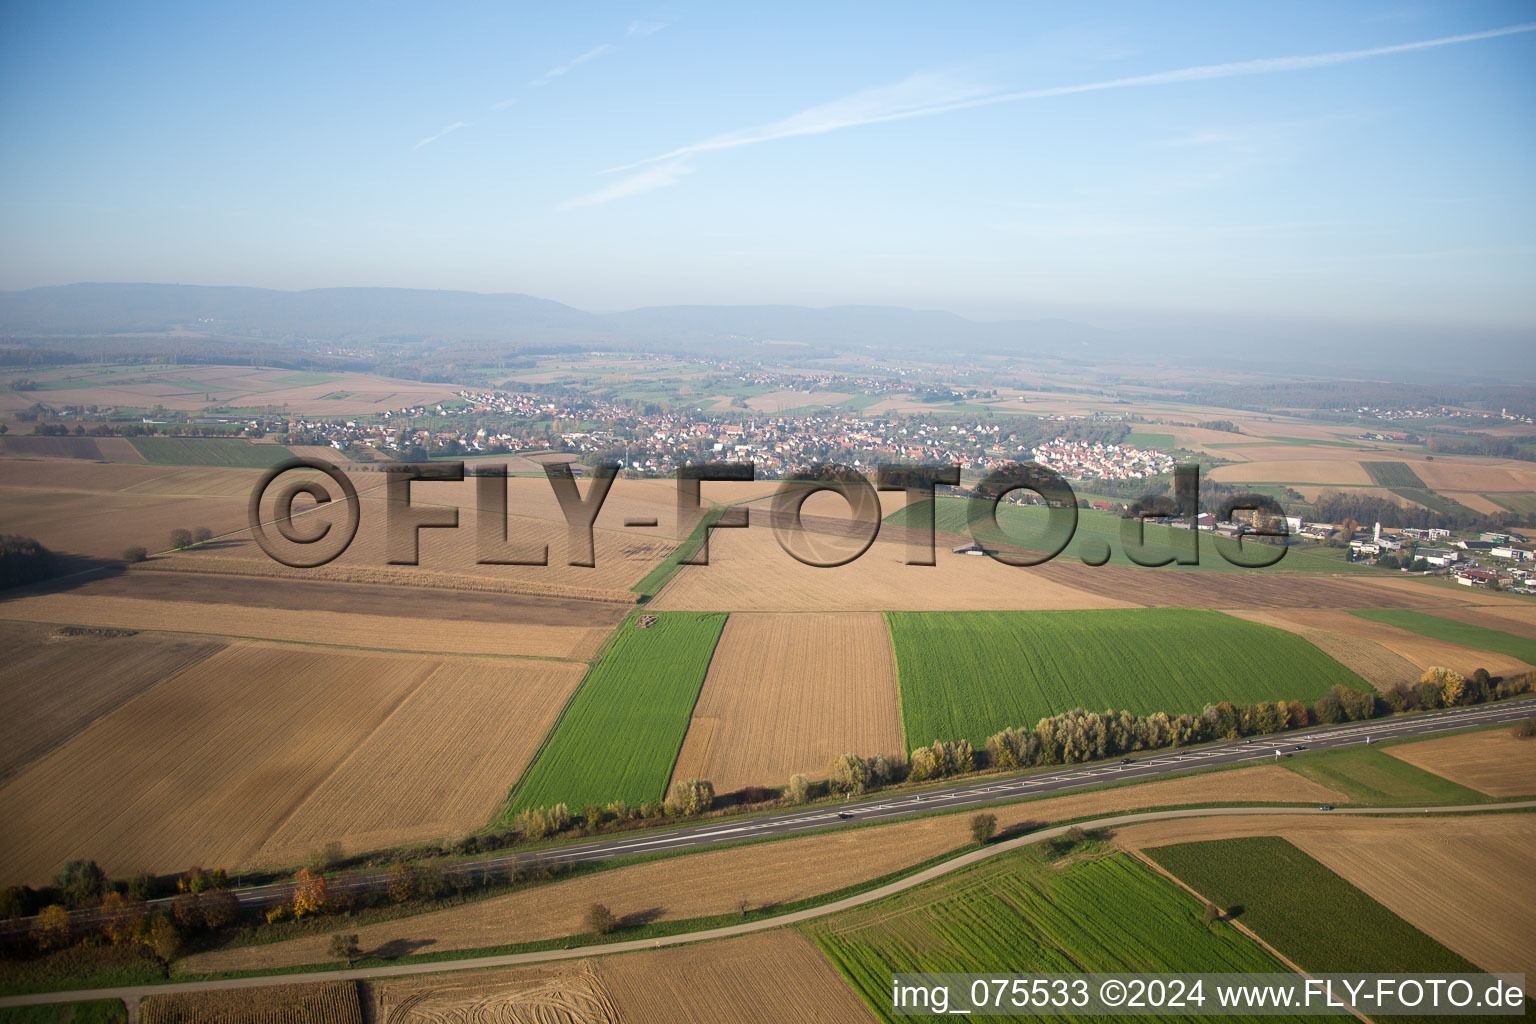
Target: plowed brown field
column 1493, row 761
column 786, row 694
column 766, row 874
column 256, row 750
column 52, row 686
column 1468, row 881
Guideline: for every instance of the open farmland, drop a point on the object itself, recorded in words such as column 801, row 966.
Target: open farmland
column 334, row 1002
column 1368, row 775
column 1103, row 913
column 53, row 685
column 763, row 978
column 966, row 675
column 254, row 746
column 1465, row 881
column 305, row 611
column 763, row 874
column 116, row 449
column 1422, row 651
column 1281, row 891
column 1364, row 657
column 786, row 694
column 1451, row 631
column 1268, row 470
column 1025, row 527
column 1393, row 475
column 209, row 451
column 1492, row 761
column 749, row 571
column 622, row 731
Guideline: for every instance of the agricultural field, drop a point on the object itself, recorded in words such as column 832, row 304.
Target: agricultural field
column 1364, row 657
column 209, row 451
column 1393, row 475
column 1268, row 468
column 1451, row 631
column 1422, row 652
column 1103, row 912
column 966, row 675
column 371, row 615
column 1492, row 761
column 95, row 1011
column 250, row 752
column 1026, row 525
column 749, row 571
column 115, row 449
column 786, row 694
column 764, row 874
column 1465, row 881
column 1368, row 775
column 335, row 1002
column 1282, row 892
column 762, row 978
column 53, row 685
column 621, row 734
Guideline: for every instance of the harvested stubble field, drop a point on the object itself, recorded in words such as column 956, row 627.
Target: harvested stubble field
column 1403, row 894
column 1277, row 471
column 1423, row 652
column 1480, row 475
column 764, row 978
column 1366, row 658
column 52, row 686
column 1493, row 761
column 966, row 675
column 1101, row 912
column 778, row 401
column 381, row 617
column 621, row 734
column 749, row 571
column 254, row 750
column 335, row 1002
column 786, row 694
column 767, row 874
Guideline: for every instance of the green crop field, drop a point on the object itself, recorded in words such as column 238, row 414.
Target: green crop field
column 1312, row 916
column 966, row 675
column 1162, row 442
column 209, row 451
column 1026, row 524
column 1454, row 632
column 1523, row 503
column 1021, row 914
column 1367, row 776
column 1394, row 474
column 622, row 731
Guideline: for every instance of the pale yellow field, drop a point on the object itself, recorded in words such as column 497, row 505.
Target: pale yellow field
column 1493, row 761
column 1482, row 475
column 260, row 752
column 786, row 694
column 778, row 401
column 1272, row 470
column 1476, row 502
column 749, row 571
column 717, row 882
column 1467, row 881
column 763, row 978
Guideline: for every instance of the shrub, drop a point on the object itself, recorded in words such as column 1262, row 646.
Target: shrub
column 400, row 882
column 202, row 535
column 135, row 554
column 1525, row 728
column 690, row 796
column 848, row 774
column 1212, row 913
column 180, row 539
column 220, row 908
column 983, row 828
column 80, row 881
column 344, row 947
column 799, row 789
column 600, row 920
column 51, row 929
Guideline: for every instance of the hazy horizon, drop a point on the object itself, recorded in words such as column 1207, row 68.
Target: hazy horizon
column 1117, row 167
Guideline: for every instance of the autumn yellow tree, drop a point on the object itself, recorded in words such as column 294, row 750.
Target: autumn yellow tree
column 1452, row 685
column 308, row 892
column 122, row 917
column 51, row 929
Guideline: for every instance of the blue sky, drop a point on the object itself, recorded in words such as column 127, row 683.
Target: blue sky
column 943, row 157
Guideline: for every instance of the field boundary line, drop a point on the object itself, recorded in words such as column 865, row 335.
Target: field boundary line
column 901, row 885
